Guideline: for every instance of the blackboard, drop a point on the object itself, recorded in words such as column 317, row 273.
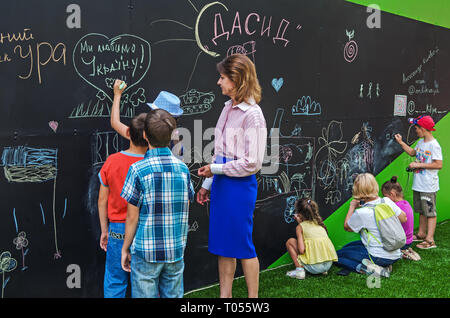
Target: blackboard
column 329, row 84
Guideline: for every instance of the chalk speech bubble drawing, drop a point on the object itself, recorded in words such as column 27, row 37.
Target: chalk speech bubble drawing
column 98, row 60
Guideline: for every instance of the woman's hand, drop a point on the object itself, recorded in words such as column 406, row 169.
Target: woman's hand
column 205, row 171
column 354, row 204
column 202, row 196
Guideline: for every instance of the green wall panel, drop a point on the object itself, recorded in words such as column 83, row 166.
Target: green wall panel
column 435, row 12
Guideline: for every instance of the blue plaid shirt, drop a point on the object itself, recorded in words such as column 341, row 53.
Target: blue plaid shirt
column 160, row 185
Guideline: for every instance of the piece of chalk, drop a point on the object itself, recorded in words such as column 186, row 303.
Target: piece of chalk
column 121, row 85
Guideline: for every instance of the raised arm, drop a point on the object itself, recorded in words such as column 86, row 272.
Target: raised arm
column 410, row 151
column 116, row 124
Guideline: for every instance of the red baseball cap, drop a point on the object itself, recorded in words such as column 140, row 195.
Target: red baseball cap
column 423, row 121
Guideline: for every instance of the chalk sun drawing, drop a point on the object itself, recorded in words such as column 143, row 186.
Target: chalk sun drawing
column 202, row 48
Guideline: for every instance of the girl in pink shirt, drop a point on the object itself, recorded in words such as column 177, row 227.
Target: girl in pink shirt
column 394, row 191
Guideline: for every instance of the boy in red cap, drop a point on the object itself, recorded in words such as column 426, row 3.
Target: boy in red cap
column 428, row 162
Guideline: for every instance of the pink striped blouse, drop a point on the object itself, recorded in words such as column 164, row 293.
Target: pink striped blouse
column 240, row 133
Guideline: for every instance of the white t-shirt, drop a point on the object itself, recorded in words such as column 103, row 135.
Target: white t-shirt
column 364, row 218
column 427, row 180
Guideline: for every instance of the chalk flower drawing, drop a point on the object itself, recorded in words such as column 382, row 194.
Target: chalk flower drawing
column 7, row 264
column 333, row 145
column 351, row 47
column 20, row 241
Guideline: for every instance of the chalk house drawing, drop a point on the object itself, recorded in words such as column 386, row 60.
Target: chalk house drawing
column 32, row 165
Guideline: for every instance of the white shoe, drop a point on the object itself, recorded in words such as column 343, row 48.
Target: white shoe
column 297, row 273
column 374, row 268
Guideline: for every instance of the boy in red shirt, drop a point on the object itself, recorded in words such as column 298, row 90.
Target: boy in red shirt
column 112, row 208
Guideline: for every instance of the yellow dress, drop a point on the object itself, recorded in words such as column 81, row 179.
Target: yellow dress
column 318, row 246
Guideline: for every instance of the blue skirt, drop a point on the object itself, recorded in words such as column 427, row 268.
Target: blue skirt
column 231, row 215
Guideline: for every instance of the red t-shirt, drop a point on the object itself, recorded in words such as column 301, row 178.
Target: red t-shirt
column 113, row 175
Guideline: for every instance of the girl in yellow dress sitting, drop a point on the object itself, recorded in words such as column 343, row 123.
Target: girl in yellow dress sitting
column 312, row 250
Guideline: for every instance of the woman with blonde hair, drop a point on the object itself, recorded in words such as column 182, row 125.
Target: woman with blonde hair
column 367, row 255
column 240, row 143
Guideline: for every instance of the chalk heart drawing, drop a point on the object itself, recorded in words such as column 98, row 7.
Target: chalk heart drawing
column 277, row 83
column 53, row 125
column 99, row 60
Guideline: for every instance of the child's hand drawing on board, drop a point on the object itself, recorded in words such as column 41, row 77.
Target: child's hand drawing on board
column 116, row 124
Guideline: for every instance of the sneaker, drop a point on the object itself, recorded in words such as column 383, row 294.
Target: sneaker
column 297, row 273
column 374, row 268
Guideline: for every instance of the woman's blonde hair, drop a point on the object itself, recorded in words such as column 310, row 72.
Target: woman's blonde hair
column 242, row 72
column 365, row 187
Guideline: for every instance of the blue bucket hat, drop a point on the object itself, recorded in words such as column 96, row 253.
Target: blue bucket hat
column 168, row 102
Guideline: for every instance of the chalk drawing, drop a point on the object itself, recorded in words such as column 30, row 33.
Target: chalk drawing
column 277, row 83
column 53, row 125
column 369, row 90
column 290, row 209
column 400, row 105
column 277, row 123
column 193, row 227
column 33, row 165
column 27, row 164
column 332, row 147
column 295, row 172
column 20, row 241
column 195, row 102
column 103, row 144
column 351, row 47
column 362, row 153
column 247, row 48
column 7, row 264
column 196, row 35
column 96, row 58
column 333, row 197
column 307, row 107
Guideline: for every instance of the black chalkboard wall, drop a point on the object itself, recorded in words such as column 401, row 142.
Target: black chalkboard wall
column 328, row 84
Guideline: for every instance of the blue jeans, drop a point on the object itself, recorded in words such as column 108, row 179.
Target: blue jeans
column 116, row 279
column 351, row 255
column 154, row 280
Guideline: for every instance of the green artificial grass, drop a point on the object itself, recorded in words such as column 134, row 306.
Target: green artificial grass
column 427, row 278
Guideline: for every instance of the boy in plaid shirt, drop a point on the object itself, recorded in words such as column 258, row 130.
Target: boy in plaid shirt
column 158, row 190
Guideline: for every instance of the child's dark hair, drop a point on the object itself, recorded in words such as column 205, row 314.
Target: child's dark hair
column 392, row 184
column 309, row 210
column 136, row 130
column 159, row 125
